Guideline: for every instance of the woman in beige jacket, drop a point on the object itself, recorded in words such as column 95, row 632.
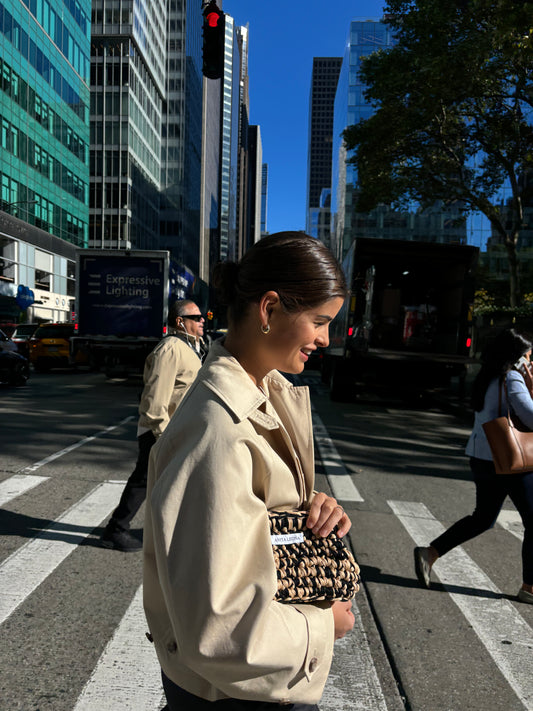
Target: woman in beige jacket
column 241, row 443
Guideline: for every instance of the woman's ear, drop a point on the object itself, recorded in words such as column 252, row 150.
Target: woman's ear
column 267, row 304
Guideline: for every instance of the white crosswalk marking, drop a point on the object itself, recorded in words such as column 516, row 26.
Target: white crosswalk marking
column 74, row 446
column 127, row 675
column 18, row 484
column 511, row 521
column 23, row 571
column 501, row 629
column 353, row 682
column 339, row 479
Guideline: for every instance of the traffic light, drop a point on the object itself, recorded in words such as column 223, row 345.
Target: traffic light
column 213, row 50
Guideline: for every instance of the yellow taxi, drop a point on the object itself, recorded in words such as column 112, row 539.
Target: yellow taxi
column 49, row 347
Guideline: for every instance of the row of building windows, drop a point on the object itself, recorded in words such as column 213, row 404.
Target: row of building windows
column 114, row 163
column 28, row 49
column 20, row 145
column 109, row 195
column 54, row 26
column 117, row 74
column 112, row 16
column 24, row 96
column 43, row 213
column 22, row 263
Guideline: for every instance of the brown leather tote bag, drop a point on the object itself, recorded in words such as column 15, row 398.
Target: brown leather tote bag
column 512, row 449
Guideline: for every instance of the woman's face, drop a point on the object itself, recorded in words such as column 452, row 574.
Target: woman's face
column 293, row 336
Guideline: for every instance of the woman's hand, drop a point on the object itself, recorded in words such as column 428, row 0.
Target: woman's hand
column 343, row 617
column 324, row 514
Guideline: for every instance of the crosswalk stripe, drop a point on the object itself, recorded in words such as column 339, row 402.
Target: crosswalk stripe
column 512, row 522
column 339, row 479
column 18, row 484
column 26, row 568
column 353, row 681
column 501, row 629
column 66, row 450
column 127, row 675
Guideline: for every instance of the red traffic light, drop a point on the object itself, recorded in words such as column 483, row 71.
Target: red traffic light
column 214, row 28
column 213, row 19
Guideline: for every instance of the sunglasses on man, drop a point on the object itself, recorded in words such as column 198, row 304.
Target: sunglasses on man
column 193, row 317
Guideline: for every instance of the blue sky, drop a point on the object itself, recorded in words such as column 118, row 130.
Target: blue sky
column 284, row 36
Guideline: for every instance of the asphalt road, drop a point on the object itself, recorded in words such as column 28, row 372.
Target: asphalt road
column 72, row 625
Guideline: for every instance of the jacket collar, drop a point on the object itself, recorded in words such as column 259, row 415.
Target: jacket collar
column 225, row 376
column 190, row 340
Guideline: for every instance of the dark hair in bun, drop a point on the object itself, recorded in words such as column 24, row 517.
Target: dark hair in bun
column 301, row 269
column 224, row 281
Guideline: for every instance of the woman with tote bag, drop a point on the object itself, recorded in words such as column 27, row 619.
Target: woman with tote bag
column 503, row 382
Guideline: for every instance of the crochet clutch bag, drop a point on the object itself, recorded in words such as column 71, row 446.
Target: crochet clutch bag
column 310, row 568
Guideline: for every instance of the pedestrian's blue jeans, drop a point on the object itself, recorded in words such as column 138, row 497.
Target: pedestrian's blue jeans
column 491, row 490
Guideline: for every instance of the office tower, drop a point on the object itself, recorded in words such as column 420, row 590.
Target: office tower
column 211, row 178
column 243, row 177
column 435, row 224
column 128, row 83
column 264, row 199
column 225, row 208
column 255, row 167
column 229, row 120
column 321, row 102
column 182, row 134
column 44, row 165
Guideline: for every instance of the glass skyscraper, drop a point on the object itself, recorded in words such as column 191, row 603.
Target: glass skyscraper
column 321, row 102
column 182, row 134
column 128, row 70
column 436, row 224
column 264, row 198
column 229, row 143
column 44, row 107
column 44, row 164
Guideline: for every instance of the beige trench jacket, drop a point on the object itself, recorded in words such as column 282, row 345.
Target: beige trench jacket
column 168, row 371
column 209, row 574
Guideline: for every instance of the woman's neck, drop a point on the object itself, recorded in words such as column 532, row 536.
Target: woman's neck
column 246, row 352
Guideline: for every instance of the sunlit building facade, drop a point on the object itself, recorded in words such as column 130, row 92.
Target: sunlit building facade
column 128, row 72
column 44, row 166
column 229, row 158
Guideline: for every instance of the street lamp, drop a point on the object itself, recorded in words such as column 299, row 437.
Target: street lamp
column 7, row 205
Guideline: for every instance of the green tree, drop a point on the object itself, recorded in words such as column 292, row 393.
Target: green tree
column 453, row 113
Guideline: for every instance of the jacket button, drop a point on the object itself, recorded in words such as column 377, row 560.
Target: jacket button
column 172, row 647
column 313, row 664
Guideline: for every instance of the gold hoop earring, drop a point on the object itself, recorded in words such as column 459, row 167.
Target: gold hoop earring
column 265, row 329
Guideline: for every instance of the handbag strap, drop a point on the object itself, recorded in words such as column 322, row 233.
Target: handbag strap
column 509, row 419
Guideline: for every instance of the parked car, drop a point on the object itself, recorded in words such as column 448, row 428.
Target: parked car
column 50, row 347
column 21, row 337
column 7, row 327
column 6, row 344
column 14, row 368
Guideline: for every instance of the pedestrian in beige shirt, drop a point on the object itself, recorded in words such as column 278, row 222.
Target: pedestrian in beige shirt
column 168, row 371
column 240, row 444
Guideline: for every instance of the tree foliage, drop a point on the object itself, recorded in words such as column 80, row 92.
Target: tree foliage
column 453, row 114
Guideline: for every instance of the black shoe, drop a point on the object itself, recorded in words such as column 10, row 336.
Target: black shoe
column 120, row 540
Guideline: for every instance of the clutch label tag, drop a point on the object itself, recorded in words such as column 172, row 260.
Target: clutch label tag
column 287, row 538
